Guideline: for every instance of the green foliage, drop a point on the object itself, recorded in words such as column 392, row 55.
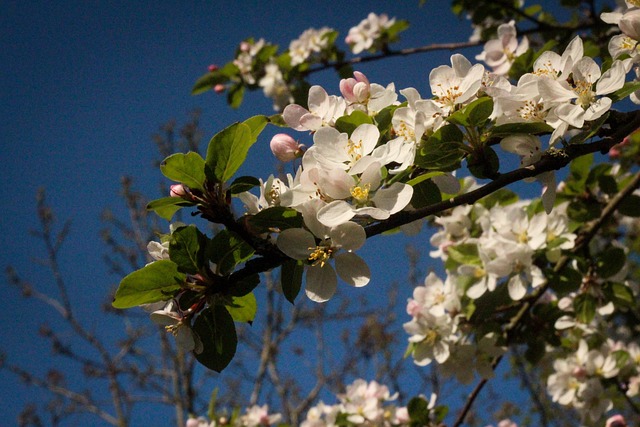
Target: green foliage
column 215, row 328
column 349, row 123
column 228, row 149
column 185, row 248
column 187, row 169
column 610, row 261
column 166, row 207
column 242, row 184
column 274, row 217
column 244, row 308
column 291, row 278
column 443, row 150
column 226, row 250
column 425, row 193
column 157, row 281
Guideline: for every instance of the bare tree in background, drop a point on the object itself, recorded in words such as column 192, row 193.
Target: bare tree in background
column 122, row 377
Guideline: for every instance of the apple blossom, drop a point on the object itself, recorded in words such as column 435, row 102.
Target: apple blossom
column 310, row 41
column 285, row 148
column 300, row 244
column 500, row 53
column 323, row 110
column 368, row 31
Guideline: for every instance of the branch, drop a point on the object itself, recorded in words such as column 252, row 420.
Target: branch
column 582, row 240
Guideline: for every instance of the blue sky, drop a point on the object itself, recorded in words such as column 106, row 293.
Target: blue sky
column 86, row 84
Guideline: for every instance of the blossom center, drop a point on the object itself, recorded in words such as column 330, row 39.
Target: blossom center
column 354, row 149
column 320, row 255
column 360, row 194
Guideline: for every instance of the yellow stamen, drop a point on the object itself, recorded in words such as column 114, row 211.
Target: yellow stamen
column 320, row 255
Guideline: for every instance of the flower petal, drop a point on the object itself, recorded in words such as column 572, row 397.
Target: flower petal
column 352, row 269
column 350, row 236
column 295, row 243
column 321, row 283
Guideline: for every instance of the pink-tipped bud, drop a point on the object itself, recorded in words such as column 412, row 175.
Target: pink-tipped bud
column 245, row 47
column 212, row 68
column 285, row 148
column 355, row 90
column 219, row 88
column 616, row 421
column 178, row 190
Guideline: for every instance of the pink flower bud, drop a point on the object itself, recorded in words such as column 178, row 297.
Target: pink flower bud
column 245, row 47
column 285, row 148
column 355, row 90
column 178, row 190
column 192, row 422
column 616, row 421
column 212, row 68
column 219, row 88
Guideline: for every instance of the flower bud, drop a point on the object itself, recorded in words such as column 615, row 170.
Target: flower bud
column 616, row 421
column 219, row 88
column 355, row 90
column 285, row 148
column 178, row 190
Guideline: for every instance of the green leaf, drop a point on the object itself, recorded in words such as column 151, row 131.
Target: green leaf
column 244, row 308
column 257, row 125
column 584, row 306
column 425, row 193
column 220, row 76
column 483, row 163
column 185, row 168
column 610, row 262
column 291, row 278
column 566, row 281
column 349, row 123
column 184, row 248
column 630, row 206
column 215, row 328
column 514, row 128
column 418, row 409
column 235, row 95
column 227, row 250
column 227, row 151
column 242, row 184
column 443, row 150
column 619, row 293
column 154, row 282
column 465, row 253
column 243, row 286
column 166, row 207
column 626, row 90
column 383, row 118
column 582, row 211
column 278, row 217
column 278, row 120
column 474, row 114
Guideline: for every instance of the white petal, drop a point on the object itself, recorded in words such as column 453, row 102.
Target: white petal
column 352, row 269
column 295, row 243
column 349, row 236
column 517, row 289
column 368, row 135
column 335, row 213
column 394, row 198
column 321, row 283
column 292, row 115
